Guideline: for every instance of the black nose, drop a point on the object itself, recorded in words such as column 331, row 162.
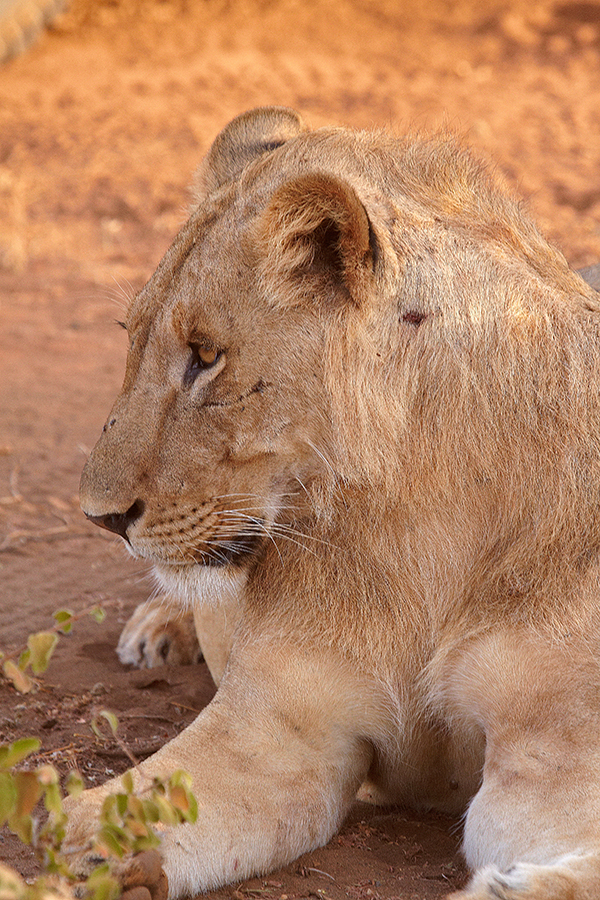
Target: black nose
column 119, row 522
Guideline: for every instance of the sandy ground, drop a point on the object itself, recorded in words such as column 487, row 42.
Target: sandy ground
column 101, row 126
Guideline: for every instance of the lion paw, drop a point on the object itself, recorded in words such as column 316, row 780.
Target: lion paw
column 159, row 634
column 141, row 877
column 523, row 881
column 491, row 884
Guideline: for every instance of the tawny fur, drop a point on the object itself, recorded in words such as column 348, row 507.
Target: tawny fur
column 389, row 470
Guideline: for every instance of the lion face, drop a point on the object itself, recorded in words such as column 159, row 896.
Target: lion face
column 223, row 426
column 209, row 440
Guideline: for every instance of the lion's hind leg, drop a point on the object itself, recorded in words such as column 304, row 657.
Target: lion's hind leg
column 532, row 831
column 573, row 877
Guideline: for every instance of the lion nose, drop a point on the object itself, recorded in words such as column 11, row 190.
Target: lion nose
column 119, row 522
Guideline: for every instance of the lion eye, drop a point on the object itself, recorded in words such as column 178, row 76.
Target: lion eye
column 202, row 357
column 207, row 355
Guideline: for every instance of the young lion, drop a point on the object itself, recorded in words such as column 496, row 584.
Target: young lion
column 360, row 426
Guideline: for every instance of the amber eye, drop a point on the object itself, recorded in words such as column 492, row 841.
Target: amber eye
column 207, row 355
column 202, row 357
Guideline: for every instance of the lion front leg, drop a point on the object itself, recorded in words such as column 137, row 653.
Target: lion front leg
column 532, row 831
column 275, row 766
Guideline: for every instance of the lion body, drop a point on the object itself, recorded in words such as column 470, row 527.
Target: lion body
column 359, row 436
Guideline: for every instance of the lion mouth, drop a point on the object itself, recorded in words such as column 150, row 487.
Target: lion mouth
column 197, row 543
column 234, row 552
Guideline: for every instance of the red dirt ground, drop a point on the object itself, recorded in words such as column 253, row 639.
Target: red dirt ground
column 101, row 126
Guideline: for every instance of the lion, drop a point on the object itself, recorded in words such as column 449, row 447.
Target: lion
column 359, row 439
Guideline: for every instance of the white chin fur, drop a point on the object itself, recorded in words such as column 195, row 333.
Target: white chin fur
column 194, row 585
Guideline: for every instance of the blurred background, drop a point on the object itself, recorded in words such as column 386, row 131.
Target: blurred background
column 103, row 120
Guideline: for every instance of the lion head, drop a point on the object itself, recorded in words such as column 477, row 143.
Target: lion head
column 348, row 317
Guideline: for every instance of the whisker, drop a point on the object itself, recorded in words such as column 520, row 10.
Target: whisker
column 304, row 488
column 127, row 295
column 242, row 518
column 286, row 530
column 258, row 527
column 322, row 456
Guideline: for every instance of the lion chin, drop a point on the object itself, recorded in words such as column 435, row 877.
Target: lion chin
column 359, row 438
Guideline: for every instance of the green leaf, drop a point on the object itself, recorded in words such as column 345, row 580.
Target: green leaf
column 29, row 791
column 41, row 646
column 24, row 659
column 98, row 614
column 98, row 873
column 113, row 840
column 108, row 812
column 101, row 885
column 20, row 680
column 64, row 619
column 121, row 804
column 109, row 717
column 181, row 777
column 148, row 842
column 12, row 754
column 53, row 799
column 151, row 812
column 8, row 796
column 74, row 783
column 127, row 781
column 166, row 811
column 192, row 815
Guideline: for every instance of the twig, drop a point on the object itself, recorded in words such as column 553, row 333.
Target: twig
column 51, row 534
column 59, row 627
column 183, row 706
column 319, row 872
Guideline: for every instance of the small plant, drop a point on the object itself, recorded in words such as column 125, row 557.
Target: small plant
column 125, row 825
column 20, row 793
column 33, row 659
column 127, row 818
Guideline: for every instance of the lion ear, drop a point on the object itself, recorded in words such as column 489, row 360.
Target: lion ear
column 245, row 138
column 319, row 240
